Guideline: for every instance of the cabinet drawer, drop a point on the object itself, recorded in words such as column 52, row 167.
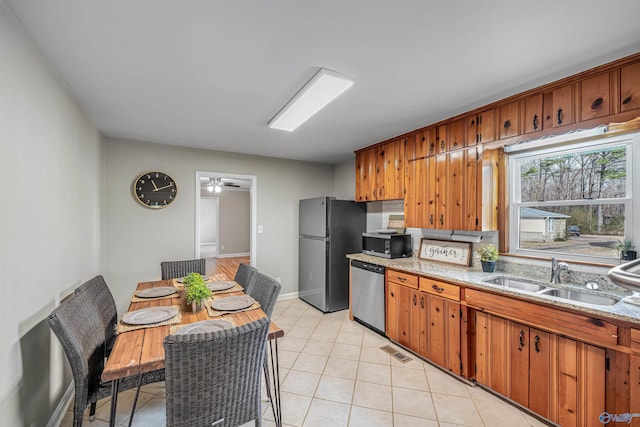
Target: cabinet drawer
column 442, row 289
column 574, row 325
column 401, row 278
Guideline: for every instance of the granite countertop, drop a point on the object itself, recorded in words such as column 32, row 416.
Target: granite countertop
column 474, row 278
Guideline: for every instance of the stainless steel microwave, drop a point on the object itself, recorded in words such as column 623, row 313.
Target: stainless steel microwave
column 387, row 245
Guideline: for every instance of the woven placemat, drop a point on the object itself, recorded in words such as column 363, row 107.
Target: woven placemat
column 236, row 288
column 174, row 329
column 125, row 327
column 214, row 313
column 181, row 285
column 138, row 299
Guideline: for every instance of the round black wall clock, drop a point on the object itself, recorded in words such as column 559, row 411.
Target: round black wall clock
column 155, row 190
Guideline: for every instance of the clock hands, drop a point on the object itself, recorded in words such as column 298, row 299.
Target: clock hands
column 162, row 188
column 154, row 186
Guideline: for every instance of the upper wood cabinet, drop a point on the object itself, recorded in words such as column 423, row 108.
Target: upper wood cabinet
column 380, row 172
column 595, row 93
column 456, row 134
column 630, row 87
column 509, row 122
column 442, row 139
column 420, row 144
column 481, row 127
column 533, row 120
column 562, row 107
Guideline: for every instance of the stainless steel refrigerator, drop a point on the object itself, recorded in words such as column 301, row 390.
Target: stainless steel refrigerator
column 329, row 230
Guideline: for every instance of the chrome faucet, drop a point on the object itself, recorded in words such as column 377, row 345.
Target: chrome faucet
column 556, row 268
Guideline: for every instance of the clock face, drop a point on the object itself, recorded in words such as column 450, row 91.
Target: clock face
column 155, row 190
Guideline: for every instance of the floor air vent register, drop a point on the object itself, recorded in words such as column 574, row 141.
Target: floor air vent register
column 395, row 353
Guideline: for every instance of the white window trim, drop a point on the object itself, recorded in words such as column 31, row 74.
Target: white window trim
column 631, row 201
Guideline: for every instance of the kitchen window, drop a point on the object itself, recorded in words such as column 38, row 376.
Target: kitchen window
column 574, row 200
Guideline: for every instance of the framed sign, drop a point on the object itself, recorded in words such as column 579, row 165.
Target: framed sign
column 445, row 251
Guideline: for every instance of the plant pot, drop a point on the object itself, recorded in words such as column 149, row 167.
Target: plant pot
column 196, row 306
column 628, row 255
column 488, row 266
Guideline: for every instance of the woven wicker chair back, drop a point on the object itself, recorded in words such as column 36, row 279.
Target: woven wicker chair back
column 175, row 269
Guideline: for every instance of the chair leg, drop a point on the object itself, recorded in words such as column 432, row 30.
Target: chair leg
column 135, row 400
column 92, row 412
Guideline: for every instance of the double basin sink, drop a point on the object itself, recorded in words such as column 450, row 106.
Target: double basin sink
column 541, row 288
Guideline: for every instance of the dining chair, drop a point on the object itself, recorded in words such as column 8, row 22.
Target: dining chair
column 175, row 269
column 246, row 277
column 213, row 378
column 102, row 298
column 80, row 331
column 265, row 290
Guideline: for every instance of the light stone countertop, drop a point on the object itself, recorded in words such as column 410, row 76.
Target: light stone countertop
column 474, row 278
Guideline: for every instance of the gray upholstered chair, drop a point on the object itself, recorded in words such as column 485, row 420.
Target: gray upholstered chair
column 213, row 378
column 79, row 328
column 175, row 269
column 266, row 290
column 102, row 298
column 246, row 276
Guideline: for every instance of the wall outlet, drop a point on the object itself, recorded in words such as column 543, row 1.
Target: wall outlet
column 260, row 229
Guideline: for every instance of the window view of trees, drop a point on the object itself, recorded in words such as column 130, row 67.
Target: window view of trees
column 592, row 221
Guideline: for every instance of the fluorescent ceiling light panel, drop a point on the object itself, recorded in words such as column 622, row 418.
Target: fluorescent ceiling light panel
column 324, row 87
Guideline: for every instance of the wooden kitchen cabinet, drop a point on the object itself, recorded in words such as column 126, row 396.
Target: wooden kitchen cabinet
column 481, row 128
column 533, row 120
column 562, row 107
column 420, row 144
column 442, row 139
column 595, row 94
column 532, row 355
column 399, row 287
column 510, row 120
column 456, row 193
column 380, row 172
column 630, row 87
column 441, row 195
column 456, row 134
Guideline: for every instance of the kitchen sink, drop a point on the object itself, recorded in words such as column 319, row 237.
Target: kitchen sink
column 541, row 288
column 574, row 295
column 522, row 284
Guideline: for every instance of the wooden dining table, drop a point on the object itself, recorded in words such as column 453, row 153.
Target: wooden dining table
column 140, row 351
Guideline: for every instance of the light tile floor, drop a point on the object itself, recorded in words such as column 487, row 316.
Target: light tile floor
column 333, row 374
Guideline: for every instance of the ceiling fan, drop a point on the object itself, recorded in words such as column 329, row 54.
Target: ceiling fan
column 214, row 185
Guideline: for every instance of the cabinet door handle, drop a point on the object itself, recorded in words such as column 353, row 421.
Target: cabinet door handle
column 437, row 288
column 455, row 144
column 431, row 148
column 559, row 116
column 442, row 144
column 537, row 343
column 626, row 100
column 535, row 122
column 507, row 124
column 422, row 301
column 431, row 219
column 392, row 294
column 521, row 340
column 597, row 103
column 415, row 299
column 441, row 219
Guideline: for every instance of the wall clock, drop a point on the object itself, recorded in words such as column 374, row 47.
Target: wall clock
column 155, row 190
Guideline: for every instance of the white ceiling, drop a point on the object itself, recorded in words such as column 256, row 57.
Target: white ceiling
column 212, row 73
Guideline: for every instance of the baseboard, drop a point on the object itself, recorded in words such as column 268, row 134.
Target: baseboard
column 290, row 295
column 61, row 409
column 233, row 255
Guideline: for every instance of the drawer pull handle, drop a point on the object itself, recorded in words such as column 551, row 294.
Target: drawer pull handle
column 559, row 116
column 437, row 289
column 626, row 100
column 535, row 122
column 402, row 279
column 537, row 343
column 521, row 340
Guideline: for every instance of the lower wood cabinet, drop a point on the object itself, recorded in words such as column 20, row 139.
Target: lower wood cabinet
column 557, row 377
column 426, row 322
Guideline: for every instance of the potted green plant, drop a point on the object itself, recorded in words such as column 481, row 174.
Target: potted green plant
column 488, row 256
column 626, row 250
column 197, row 291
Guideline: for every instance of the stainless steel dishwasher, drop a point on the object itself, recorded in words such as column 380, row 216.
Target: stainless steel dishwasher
column 367, row 299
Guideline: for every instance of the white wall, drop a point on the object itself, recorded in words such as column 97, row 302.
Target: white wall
column 344, row 187
column 138, row 238
column 51, row 181
column 208, row 220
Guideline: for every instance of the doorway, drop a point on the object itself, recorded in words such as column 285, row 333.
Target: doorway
column 215, row 236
